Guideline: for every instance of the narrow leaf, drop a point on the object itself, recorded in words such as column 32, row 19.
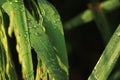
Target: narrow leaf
column 41, row 44
column 18, row 19
column 108, row 59
column 53, row 27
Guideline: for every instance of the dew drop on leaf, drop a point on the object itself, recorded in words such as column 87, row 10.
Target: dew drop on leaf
column 43, row 28
column 22, row 9
column 37, row 34
column 26, row 41
column 118, row 34
column 20, row 48
column 36, row 22
column 34, row 26
column 54, row 48
column 29, row 21
column 29, row 27
column 10, row 2
column 16, row 0
column 25, row 35
column 26, row 32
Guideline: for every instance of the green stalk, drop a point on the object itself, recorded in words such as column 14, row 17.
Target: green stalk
column 101, row 21
column 9, row 66
column 2, row 53
column 47, row 42
column 53, row 28
column 44, row 49
column 115, row 75
column 16, row 11
column 2, row 62
column 108, row 59
column 88, row 16
column 41, row 71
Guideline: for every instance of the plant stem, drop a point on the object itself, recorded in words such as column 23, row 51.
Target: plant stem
column 101, row 21
column 18, row 22
column 108, row 59
column 8, row 64
column 88, row 16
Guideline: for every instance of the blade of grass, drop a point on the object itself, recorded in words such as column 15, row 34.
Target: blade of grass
column 2, row 54
column 16, row 11
column 54, row 30
column 87, row 15
column 9, row 66
column 2, row 2
column 2, row 61
column 115, row 75
column 41, row 71
column 44, row 49
column 44, row 29
column 100, row 21
column 108, row 59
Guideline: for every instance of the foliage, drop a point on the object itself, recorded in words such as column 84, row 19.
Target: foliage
column 37, row 29
column 96, row 12
column 33, row 29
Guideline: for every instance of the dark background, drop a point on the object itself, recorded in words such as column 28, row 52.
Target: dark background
column 84, row 43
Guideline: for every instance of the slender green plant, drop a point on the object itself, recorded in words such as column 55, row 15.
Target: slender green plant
column 108, row 59
column 39, row 28
column 88, row 16
column 100, row 20
column 7, row 66
column 110, row 55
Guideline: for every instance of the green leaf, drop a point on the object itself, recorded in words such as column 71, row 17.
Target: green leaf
column 16, row 11
column 108, row 59
column 2, row 61
column 101, row 21
column 87, row 15
column 8, row 70
column 41, row 44
column 54, row 30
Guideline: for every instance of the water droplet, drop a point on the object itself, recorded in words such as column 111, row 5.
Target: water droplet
column 16, row 9
column 43, row 28
column 16, row 0
column 54, row 21
column 22, row 9
column 52, row 60
column 36, row 22
column 26, row 41
column 26, row 32
column 29, row 21
column 19, row 35
column 25, row 35
column 10, row 2
column 37, row 34
column 52, row 66
column 43, row 12
column 20, row 48
column 59, row 69
column 95, row 77
column 34, row 26
column 29, row 27
column 118, row 34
